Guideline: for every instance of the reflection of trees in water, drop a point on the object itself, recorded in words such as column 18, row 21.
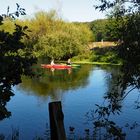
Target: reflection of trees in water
column 4, row 98
column 15, row 134
column 48, row 84
column 120, row 83
column 10, row 74
column 116, row 80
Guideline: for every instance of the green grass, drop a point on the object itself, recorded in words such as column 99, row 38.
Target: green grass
column 96, row 63
column 86, row 61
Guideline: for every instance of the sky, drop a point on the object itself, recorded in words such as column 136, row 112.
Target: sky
column 69, row 10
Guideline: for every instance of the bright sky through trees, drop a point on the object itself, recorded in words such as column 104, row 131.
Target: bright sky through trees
column 69, row 10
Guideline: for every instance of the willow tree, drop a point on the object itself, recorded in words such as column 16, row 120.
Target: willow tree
column 66, row 41
column 52, row 37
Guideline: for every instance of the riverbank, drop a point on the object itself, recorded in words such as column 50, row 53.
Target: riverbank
column 96, row 63
column 92, row 63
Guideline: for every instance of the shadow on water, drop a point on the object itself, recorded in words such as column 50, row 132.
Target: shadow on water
column 10, row 75
column 121, row 84
column 12, row 63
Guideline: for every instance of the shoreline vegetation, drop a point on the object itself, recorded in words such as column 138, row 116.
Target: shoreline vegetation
column 51, row 37
column 96, row 63
column 100, row 52
column 92, row 63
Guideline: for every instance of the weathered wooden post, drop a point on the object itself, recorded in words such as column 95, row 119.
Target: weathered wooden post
column 56, row 121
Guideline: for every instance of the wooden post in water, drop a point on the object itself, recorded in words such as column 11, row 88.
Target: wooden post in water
column 56, row 121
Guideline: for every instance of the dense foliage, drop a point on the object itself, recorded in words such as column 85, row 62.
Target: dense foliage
column 50, row 37
column 126, row 16
column 12, row 63
column 104, row 29
column 107, row 54
column 53, row 38
column 99, row 29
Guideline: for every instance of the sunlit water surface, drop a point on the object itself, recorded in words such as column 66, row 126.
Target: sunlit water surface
column 79, row 90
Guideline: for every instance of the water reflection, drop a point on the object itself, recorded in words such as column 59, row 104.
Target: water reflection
column 104, row 117
column 55, row 83
column 12, row 67
column 120, row 82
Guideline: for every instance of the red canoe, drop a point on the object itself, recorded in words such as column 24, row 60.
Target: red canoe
column 56, row 66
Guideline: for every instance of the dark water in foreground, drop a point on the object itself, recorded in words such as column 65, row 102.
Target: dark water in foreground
column 80, row 90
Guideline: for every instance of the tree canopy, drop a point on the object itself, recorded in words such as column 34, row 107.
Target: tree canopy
column 53, row 38
column 126, row 26
column 12, row 63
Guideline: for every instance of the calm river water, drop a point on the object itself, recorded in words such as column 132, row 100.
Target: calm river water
column 81, row 91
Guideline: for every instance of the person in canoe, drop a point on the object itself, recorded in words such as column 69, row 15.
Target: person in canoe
column 69, row 62
column 52, row 62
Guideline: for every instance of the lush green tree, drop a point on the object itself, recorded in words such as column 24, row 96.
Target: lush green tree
column 48, row 36
column 52, row 37
column 12, row 64
column 98, row 28
column 8, row 25
column 63, row 43
column 127, row 14
column 112, row 29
